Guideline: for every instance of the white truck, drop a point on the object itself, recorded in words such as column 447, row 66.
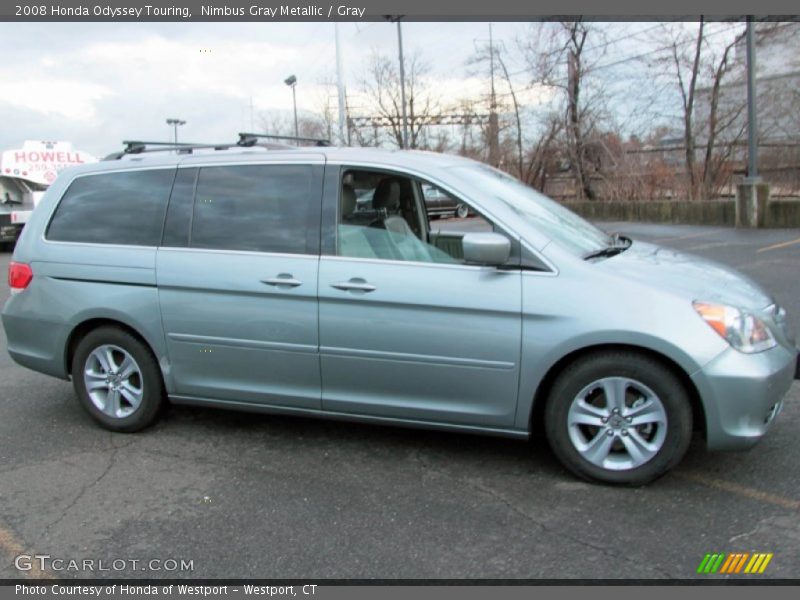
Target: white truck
column 25, row 174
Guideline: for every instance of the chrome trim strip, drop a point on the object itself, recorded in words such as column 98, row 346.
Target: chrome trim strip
column 242, row 343
column 428, row 359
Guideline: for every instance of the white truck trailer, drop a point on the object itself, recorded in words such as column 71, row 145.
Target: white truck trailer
column 25, row 174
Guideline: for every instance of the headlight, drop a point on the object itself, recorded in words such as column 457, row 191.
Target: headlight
column 741, row 329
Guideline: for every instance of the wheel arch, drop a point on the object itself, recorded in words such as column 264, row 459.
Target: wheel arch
column 84, row 327
column 536, row 420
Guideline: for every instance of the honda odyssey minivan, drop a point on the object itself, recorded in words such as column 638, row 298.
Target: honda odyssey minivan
column 244, row 277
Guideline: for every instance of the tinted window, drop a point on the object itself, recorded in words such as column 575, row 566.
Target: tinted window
column 266, row 208
column 179, row 213
column 114, row 208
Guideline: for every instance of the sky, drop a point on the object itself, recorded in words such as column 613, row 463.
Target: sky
column 95, row 84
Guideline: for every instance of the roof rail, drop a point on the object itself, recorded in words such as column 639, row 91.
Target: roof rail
column 250, row 139
column 246, row 140
column 141, row 147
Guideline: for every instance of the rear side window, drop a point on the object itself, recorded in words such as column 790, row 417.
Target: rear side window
column 113, row 208
column 263, row 208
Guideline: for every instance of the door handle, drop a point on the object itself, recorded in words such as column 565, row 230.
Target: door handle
column 356, row 284
column 284, row 279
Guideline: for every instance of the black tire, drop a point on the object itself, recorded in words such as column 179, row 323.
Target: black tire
column 650, row 374
column 148, row 378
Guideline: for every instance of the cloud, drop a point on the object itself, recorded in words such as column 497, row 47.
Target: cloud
column 98, row 83
column 68, row 98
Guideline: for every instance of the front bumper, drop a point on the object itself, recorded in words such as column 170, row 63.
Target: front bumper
column 743, row 393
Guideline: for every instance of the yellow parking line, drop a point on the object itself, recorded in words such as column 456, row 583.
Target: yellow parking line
column 776, row 246
column 742, row 490
column 11, row 545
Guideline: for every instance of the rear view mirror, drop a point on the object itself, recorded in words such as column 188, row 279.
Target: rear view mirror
column 486, row 248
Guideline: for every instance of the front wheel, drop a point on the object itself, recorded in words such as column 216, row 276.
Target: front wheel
column 618, row 417
column 462, row 211
column 117, row 380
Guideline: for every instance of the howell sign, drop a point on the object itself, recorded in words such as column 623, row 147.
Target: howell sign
column 40, row 162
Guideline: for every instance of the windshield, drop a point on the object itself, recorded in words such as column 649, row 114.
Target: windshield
column 547, row 216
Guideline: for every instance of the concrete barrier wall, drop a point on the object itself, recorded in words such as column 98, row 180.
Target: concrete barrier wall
column 780, row 213
column 783, row 213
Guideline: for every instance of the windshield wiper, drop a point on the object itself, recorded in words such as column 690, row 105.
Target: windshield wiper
column 604, row 252
column 621, row 243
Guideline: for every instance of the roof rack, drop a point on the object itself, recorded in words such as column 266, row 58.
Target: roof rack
column 246, row 140
column 141, row 147
column 250, row 139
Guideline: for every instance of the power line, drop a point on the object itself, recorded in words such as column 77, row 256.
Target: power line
column 593, row 48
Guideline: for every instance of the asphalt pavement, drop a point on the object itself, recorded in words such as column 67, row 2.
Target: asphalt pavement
column 236, row 495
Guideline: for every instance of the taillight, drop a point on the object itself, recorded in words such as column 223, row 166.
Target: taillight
column 19, row 276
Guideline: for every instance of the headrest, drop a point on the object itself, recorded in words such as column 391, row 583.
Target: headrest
column 348, row 200
column 387, row 195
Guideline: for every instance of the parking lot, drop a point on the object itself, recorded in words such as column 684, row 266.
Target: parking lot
column 243, row 495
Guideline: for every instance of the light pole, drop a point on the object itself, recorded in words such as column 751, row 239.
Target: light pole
column 396, row 19
column 175, row 123
column 291, row 81
column 752, row 127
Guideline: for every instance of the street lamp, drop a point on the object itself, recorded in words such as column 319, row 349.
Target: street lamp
column 175, row 123
column 291, row 81
column 396, row 19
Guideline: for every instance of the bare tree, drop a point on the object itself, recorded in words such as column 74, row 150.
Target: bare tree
column 720, row 121
column 493, row 54
column 687, row 85
column 309, row 125
column 540, row 155
column 558, row 57
column 381, row 85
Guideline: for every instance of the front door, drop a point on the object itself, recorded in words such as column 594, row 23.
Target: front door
column 408, row 331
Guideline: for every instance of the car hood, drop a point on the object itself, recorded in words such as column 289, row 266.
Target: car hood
column 688, row 275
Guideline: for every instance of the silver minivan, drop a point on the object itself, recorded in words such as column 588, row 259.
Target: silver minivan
column 251, row 278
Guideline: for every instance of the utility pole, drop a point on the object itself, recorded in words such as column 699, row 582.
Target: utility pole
column 752, row 124
column 396, row 19
column 402, row 82
column 752, row 195
column 340, row 88
column 494, row 132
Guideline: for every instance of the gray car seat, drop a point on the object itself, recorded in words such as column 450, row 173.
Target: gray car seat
column 387, row 197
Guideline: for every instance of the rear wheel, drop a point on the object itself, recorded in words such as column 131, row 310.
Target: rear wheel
column 462, row 211
column 618, row 417
column 117, row 380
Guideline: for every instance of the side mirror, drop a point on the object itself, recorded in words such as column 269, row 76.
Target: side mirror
column 486, row 248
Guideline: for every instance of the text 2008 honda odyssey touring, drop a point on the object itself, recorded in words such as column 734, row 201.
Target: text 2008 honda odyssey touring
column 311, row 281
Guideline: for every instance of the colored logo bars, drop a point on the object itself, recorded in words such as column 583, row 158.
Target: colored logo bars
column 735, row 563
